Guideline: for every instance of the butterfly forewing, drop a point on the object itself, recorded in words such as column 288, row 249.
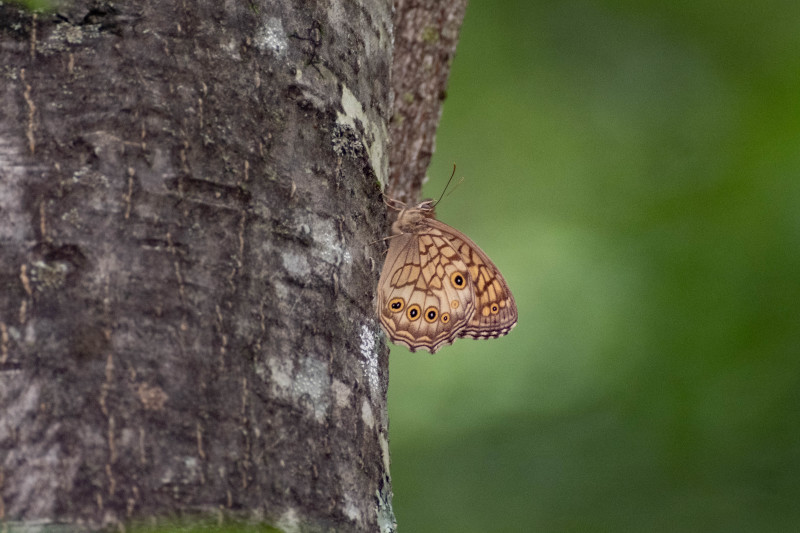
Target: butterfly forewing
column 420, row 304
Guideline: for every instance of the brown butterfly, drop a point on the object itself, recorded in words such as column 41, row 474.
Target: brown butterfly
column 437, row 285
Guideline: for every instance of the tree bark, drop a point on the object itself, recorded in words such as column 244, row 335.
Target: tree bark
column 426, row 35
column 189, row 211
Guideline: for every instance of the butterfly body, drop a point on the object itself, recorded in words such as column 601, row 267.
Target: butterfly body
column 437, row 285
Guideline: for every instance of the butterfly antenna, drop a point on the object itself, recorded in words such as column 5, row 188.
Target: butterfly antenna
column 448, row 184
column 456, row 186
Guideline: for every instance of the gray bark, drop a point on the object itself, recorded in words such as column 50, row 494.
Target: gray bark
column 189, row 210
column 426, row 35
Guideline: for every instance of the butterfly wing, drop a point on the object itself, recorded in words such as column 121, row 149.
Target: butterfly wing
column 495, row 309
column 425, row 296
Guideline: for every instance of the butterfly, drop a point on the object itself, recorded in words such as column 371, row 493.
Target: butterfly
column 437, row 285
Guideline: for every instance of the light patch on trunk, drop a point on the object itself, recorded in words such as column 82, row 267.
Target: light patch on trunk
column 366, row 414
column 341, row 393
column 270, row 35
column 369, row 360
column 374, row 132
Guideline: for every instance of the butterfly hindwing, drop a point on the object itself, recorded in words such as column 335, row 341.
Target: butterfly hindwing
column 495, row 309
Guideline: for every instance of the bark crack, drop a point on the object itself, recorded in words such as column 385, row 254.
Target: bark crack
column 31, row 111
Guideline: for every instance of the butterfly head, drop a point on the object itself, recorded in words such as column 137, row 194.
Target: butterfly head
column 412, row 219
column 427, row 206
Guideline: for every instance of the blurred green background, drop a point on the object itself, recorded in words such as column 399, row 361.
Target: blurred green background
column 634, row 170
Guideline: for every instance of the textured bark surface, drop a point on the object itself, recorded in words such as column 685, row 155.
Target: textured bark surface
column 189, row 203
column 426, row 34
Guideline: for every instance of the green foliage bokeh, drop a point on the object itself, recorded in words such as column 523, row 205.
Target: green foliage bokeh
column 33, row 5
column 634, row 170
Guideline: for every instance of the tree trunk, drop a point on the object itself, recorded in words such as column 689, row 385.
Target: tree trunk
column 189, row 227
column 190, row 224
column 426, row 35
